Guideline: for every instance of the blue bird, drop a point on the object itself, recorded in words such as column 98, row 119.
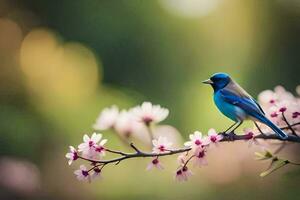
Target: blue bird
column 235, row 103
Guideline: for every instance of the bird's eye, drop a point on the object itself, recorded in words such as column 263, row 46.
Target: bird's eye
column 215, row 79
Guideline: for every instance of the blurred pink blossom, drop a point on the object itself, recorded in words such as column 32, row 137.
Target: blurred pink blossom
column 183, row 174
column 161, row 145
column 20, row 176
column 148, row 113
column 196, row 141
column 82, row 174
column 155, row 163
column 107, row 118
column 72, row 155
column 90, row 148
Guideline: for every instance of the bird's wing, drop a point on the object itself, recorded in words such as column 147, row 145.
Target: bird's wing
column 260, row 108
column 245, row 103
column 237, row 90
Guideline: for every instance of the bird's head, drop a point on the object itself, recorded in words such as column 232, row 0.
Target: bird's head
column 218, row 81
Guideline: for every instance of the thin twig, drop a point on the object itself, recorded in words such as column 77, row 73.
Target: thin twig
column 282, row 145
column 292, row 125
column 135, row 148
column 188, row 160
column 115, row 151
column 96, row 166
column 259, row 129
column 135, row 155
column 288, row 124
column 293, row 163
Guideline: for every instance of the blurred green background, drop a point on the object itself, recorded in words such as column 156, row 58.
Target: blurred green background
column 62, row 61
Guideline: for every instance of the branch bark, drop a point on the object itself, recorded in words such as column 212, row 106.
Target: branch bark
column 229, row 137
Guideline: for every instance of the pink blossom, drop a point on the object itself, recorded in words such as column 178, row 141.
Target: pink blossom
column 82, row 174
column 295, row 114
column 90, row 148
column 199, row 159
column 274, row 115
column 213, row 136
column 161, row 145
column 99, row 149
column 107, row 118
column 148, row 113
column 196, row 141
column 270, row 98
column 267, row 98
column 249, row 133
column 183, row 174
column 72, row 155
column 283, row 94
column 19, row 176
column 155, row 163
column 126, row 124
column 283, row 106
column 182, row 158
column 284, row 103
column 96, row 173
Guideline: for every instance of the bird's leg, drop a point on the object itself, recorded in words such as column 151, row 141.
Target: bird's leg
column 231, row 135
column 258, row 128
column 224, row 132
column 239, row 124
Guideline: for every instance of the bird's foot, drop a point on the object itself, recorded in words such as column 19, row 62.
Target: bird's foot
column 230, row 136
column 224, row 134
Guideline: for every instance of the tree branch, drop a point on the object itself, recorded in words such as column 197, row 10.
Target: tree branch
column 272, row 136
column 230, row 137
column 135, row 155
column 291, row 125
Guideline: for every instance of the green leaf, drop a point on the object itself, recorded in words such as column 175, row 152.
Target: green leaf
column 274, row 166
column 263, row 155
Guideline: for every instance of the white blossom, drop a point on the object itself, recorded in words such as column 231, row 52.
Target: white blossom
column 161, row 145
column 148, row 113
column 82, row 174
column 107, row 118
column 72, row 155
column 90, row 147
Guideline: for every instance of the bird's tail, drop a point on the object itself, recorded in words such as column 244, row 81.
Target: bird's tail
column 275, row 128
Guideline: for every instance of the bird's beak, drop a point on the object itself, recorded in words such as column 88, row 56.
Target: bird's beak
column 208, row 81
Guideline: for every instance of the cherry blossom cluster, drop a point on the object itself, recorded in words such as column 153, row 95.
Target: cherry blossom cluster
column 131, row 122
column 199, row 146
column 91, row 148
column 125, row 123
column 281, row 106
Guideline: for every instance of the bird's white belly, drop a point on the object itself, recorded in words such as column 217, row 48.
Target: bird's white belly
column 240, row 113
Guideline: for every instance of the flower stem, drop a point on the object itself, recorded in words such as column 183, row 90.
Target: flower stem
column 150, row 132
column 293, row 163
column 289, row 125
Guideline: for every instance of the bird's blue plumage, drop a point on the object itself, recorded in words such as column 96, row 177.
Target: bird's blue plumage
column 245, row 103
column 235, row 103
column 228, row 109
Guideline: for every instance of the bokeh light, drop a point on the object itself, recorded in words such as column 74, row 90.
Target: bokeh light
column 190, row 8
column 65, row 73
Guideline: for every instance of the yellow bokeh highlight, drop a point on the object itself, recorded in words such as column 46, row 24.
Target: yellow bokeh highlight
column 10, row 40
column 57, row 72
column 190, row 8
